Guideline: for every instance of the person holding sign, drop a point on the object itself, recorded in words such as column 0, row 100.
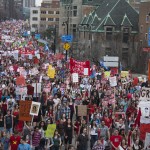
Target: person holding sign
column 56, row 140
column 68, row 133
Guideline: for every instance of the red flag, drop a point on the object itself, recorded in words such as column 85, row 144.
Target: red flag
column 137, row 121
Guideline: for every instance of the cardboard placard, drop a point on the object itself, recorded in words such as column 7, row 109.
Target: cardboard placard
column 86, row 71
column 82, row 110
column 35, row 106
column 75, row 78
column 20, row 80
column 50, row 130
column 145, row 94
column 124, row 74
column 113, row 81
column 24, row 110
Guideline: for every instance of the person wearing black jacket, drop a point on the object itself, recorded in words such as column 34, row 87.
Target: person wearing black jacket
column 82, row 141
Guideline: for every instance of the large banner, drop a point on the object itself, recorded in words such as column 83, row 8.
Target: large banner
column 78, row 66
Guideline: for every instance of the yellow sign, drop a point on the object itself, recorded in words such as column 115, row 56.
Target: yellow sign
column 51, row 73
column 66, row 46
column 124, row 74
column 49, row 133
column 106, row 74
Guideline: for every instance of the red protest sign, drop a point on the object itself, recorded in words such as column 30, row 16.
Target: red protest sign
column 78, row 66
column 143, row 129
column 20, row 80
column 24, row 110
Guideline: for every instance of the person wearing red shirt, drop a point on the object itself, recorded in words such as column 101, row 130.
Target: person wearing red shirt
column 115, row 140
column 108, row 120
column 14, row 141
column 91, row 110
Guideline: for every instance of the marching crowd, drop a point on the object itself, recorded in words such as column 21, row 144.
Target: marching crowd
column 112, row 120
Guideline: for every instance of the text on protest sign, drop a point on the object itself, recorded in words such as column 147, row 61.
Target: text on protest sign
column 145, row 94
column 24, row 110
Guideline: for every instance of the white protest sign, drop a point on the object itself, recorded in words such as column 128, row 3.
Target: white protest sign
column 75, row 77
column 40, row 80
column 86, row 71
column 147, row 141
column 113, row 81
column 30, row 56
column 37, row 87
column 145, row 94
column 145, row 108
column 34, row 110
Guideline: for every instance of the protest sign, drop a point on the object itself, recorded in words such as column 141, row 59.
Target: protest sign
column 145, row 108
column 143, row 129
column 78, row 66
column 24, row 110
column 16, row 54
column 82, row 110
column 147, row 141
column 34, row 110
column 107, row 74
column 124, row 74
column 145, row 94
column 20, row 80
column 75, row 78
column 114, row 70
column 149, row 70
column 37, row 87
column 49, row 133
column 51, row 72
column 86, row 71
column 113, row 81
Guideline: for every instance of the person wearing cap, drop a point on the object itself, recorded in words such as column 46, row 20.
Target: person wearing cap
column 23, row 145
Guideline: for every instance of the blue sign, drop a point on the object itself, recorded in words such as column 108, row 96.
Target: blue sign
column 149, row 37
column 37, row 36
column 67, row 38
column 25, row 33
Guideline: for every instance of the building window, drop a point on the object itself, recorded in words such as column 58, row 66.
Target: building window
column 109, row 33
column 147, row 18
column 34, row 25
column 125, row 35
column 43, row 26
column 43, row 12
column 108, row 51
column 141, row 43
column 50, row 12
column 146, row 36
column 57, row 19
column 125, row 56
column 50, row 19
column 34, row 18
column 35, row 11
column 43, row 19
column 74, row 11
column 57, row 12
column 141, row 29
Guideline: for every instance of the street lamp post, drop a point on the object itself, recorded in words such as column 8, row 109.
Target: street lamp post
column 67, row 25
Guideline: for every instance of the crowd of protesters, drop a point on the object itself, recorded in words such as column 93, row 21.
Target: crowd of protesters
column 101, row 129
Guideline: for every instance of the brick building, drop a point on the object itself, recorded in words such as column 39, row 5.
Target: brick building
column 110, row 29
column 144, row 27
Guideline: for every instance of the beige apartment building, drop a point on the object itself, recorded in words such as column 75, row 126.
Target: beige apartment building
column 49, row 14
